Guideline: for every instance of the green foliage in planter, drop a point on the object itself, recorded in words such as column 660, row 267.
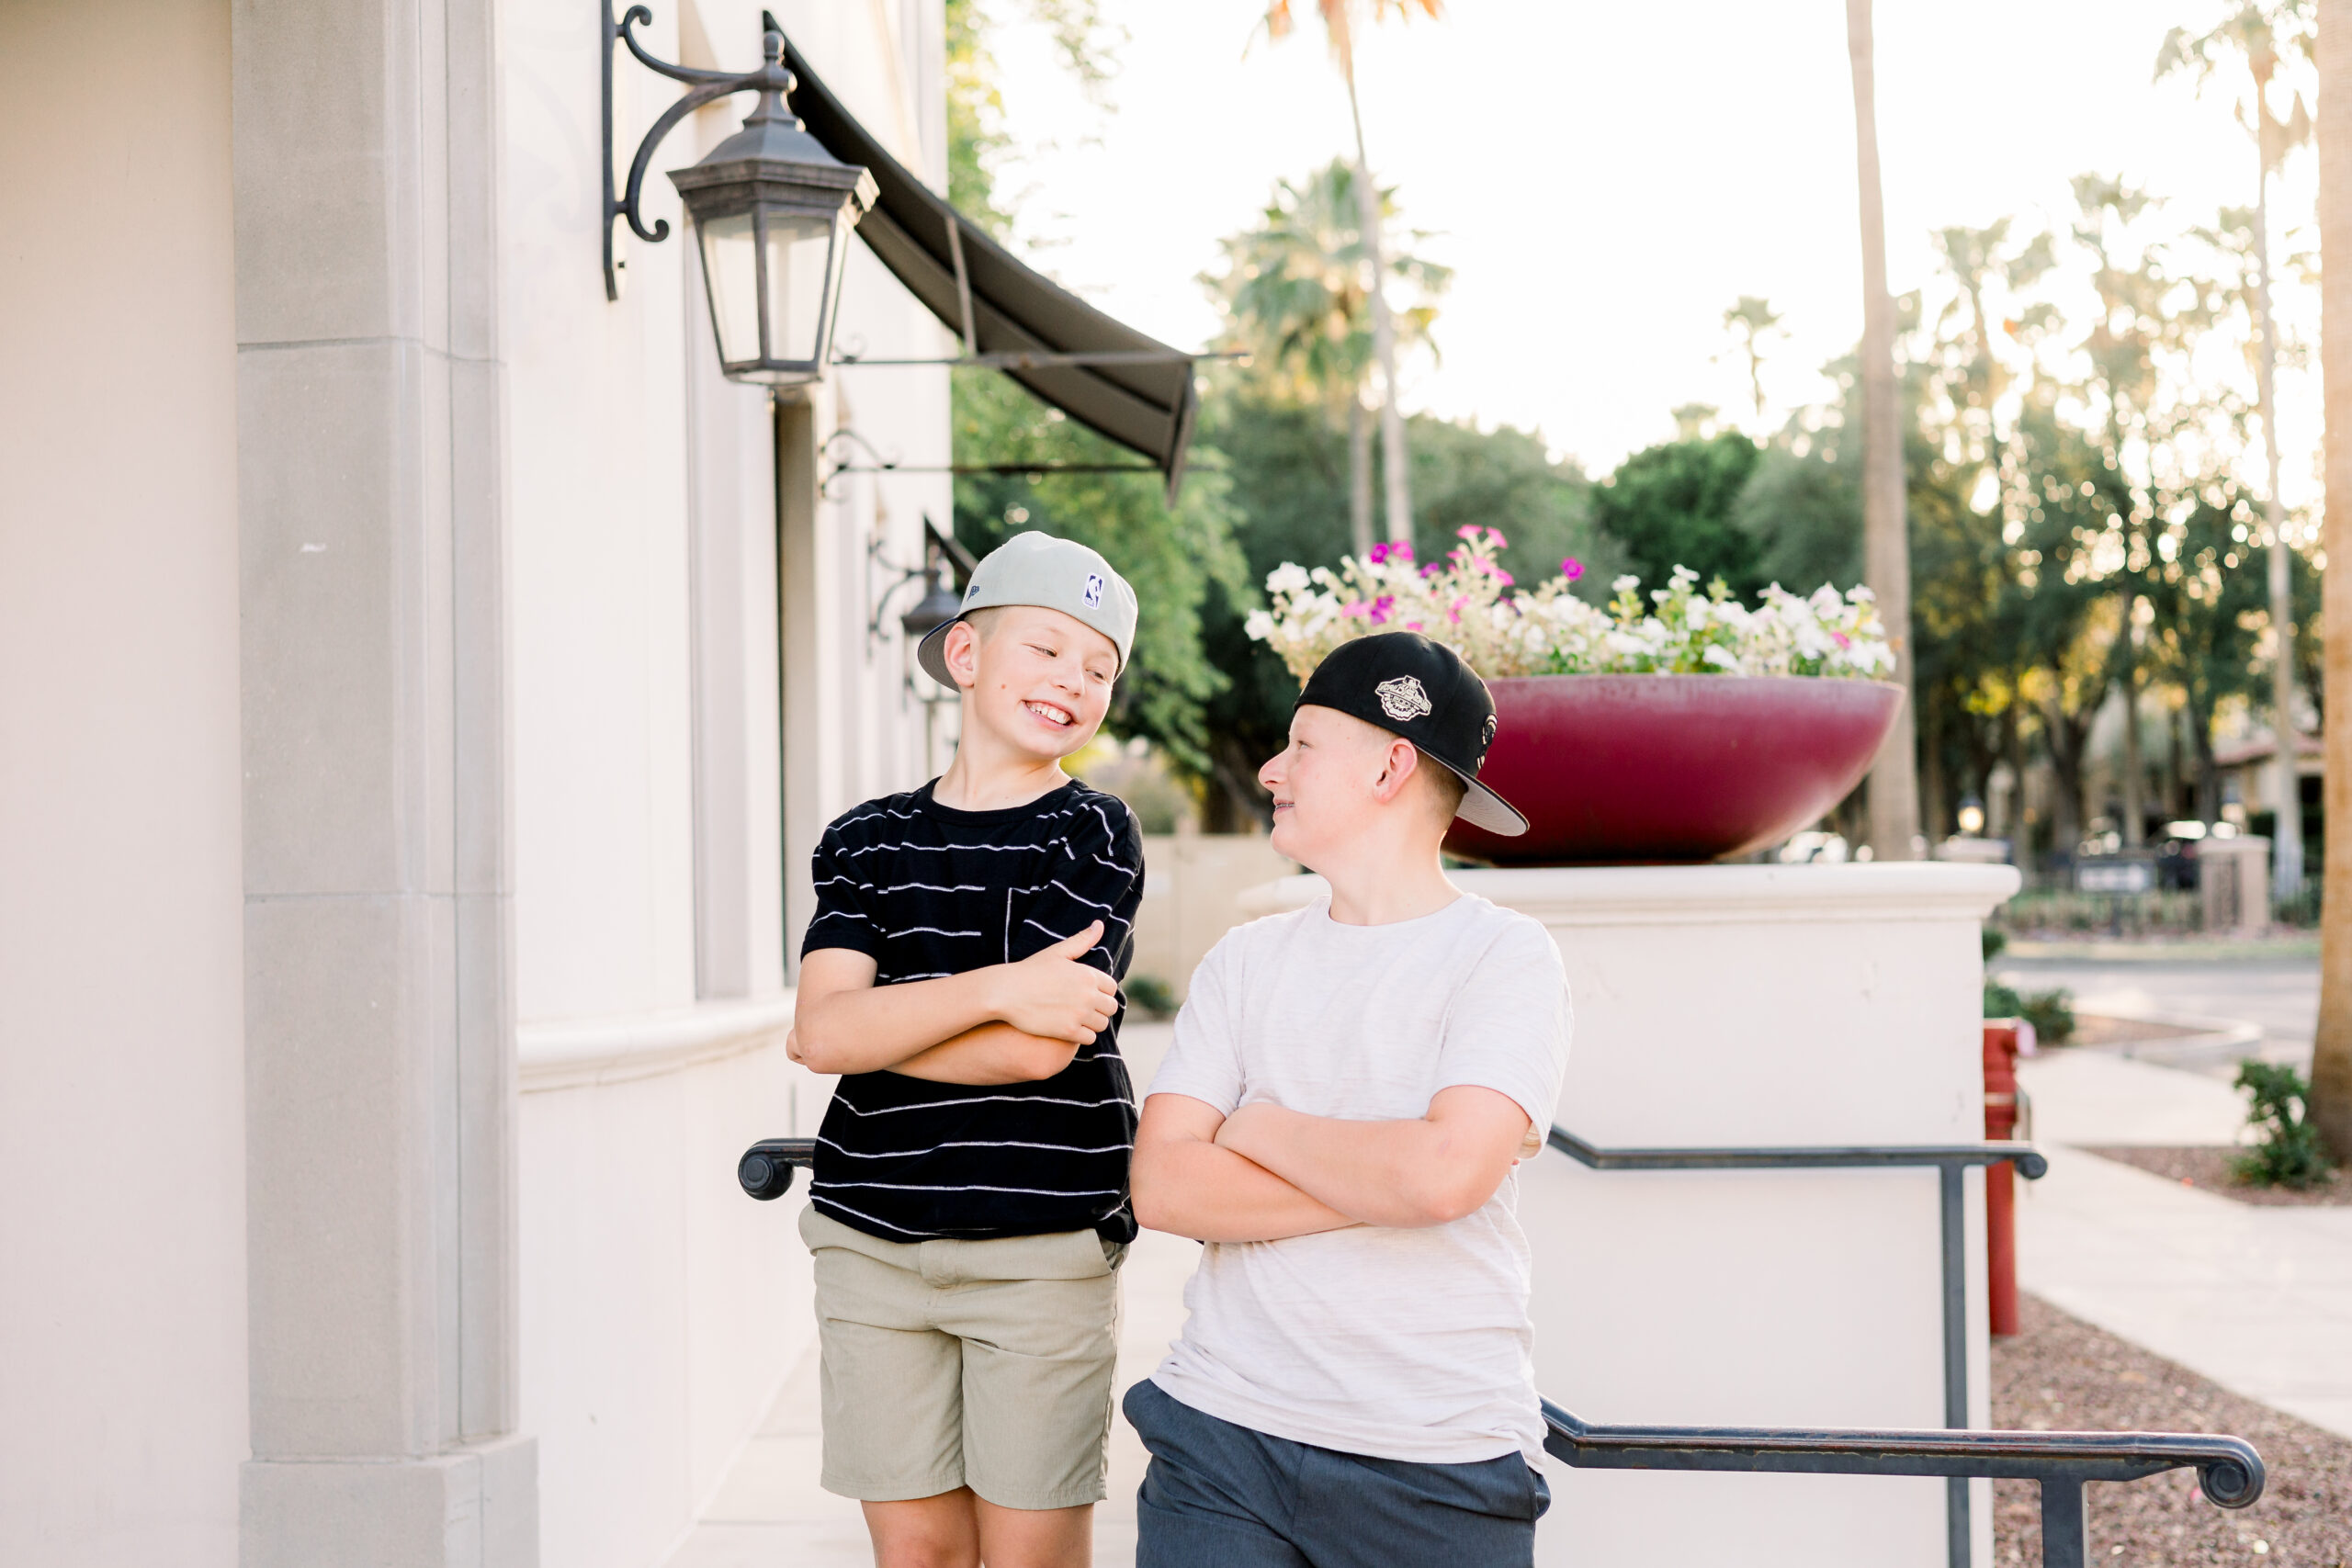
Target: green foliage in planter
column 2289, row 1153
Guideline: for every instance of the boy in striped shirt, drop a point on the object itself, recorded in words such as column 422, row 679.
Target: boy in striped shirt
column 969, row 1208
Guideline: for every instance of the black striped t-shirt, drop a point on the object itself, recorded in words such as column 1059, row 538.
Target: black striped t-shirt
column 928, row 891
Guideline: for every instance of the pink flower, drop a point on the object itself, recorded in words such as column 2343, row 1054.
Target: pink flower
column 1381, row 606
column 1494, row 538
column 1469, row 531
column 1431, row 570
column 1412, row 626
column 1353, row 608
column 1387, row 552
column 1841, row 640
column 1454, row 613
column 1572, row 568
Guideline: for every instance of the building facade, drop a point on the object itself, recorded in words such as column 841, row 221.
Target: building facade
column 421, row 683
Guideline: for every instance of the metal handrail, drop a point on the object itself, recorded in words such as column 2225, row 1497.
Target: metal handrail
column 765, row 1170
column 2229, row 1472
column 2029, row 1160
column 1948, row 1160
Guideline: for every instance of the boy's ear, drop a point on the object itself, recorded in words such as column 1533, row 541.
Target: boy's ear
column 1397, row 766
column 961, row 653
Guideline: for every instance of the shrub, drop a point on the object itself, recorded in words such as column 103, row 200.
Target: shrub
column 2052, row 1013
column 2288, row 1153
column 1149, row 995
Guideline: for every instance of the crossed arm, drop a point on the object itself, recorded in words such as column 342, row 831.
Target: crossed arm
column 1007, row 1023
column 1264, row 1172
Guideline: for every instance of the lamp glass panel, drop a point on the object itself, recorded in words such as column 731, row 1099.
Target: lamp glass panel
column 799, row 247
column 730, row 262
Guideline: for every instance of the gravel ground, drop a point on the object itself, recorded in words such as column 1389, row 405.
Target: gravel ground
column 2205, row 1166
column 2060, row 1374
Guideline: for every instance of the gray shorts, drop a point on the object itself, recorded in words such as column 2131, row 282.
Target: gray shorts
column 966, row 1363
column 1219, row 1496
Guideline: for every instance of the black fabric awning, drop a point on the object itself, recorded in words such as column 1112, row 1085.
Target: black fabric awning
column 1132, row 388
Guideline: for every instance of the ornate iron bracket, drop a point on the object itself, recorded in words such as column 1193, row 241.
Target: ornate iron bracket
column 703, row 87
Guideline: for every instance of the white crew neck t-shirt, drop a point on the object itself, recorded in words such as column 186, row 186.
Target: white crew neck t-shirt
column 1400, row 1344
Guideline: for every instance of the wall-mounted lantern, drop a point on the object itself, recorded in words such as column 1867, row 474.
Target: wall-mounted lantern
column 772, row 210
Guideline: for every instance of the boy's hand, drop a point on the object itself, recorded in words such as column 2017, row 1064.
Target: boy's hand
column 1053, row 996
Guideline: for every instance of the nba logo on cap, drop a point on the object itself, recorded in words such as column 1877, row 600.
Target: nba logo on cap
column 1093, row 594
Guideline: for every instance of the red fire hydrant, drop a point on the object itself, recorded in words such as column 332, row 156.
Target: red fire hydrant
column 2001, row 1180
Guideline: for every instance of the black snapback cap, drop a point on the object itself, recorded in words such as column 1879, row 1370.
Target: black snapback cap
column 1410, row 687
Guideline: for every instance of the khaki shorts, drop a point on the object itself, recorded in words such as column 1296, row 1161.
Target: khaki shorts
column 966, row 1363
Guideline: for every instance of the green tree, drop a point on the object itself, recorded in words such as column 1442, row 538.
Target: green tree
column 1088, row 44
column 1886, row 547
column 1673, row 505
column 1285, row 466
column 2203, row 603
column 1296, row 292
column 2264, row 36
column 1341, row 20
column 1751, row 319
column 2058, row 612
column 2330, row 1105
column 1172, row 558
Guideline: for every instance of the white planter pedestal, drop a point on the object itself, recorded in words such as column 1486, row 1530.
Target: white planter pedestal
column 1753, row 1005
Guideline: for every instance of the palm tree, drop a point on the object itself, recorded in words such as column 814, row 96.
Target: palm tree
column 2256, row 33
column 1886, row 547
column 1338, row 26
column 1297, row 290
column 2330, row 1096
column 1752, row 317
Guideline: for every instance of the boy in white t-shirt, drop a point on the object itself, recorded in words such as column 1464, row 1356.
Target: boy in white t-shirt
column 1350, row 1088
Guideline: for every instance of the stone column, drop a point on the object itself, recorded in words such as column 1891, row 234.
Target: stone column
column 380, row 1014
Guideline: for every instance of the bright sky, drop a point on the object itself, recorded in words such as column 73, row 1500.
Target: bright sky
column 1607, row 180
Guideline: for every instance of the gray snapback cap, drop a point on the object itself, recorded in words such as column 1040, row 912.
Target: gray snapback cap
column 1055, row 574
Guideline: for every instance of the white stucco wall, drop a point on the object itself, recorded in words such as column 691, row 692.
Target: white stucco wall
column 122, row 1220
column 660, row 1308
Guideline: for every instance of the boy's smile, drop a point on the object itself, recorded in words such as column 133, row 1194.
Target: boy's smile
column 1040, row 680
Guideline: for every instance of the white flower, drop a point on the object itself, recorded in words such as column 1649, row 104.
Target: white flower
column 1260, row 625
column 1626, row 583
column 1288, row 577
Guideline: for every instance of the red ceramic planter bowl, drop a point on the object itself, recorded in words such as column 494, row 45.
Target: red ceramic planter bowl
column 1619, row 769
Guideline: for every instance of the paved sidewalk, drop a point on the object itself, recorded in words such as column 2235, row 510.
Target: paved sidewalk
column 2269, row 1001
column 2257, row 1299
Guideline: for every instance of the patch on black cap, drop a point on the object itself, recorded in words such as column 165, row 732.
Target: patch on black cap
column 1402, row 682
